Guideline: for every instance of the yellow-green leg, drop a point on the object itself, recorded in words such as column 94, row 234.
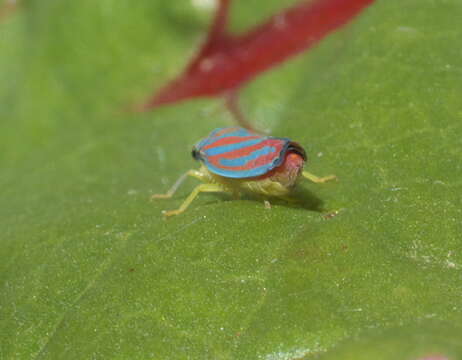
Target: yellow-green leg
column 194, row 173
column 192, row 196
column 317, row 179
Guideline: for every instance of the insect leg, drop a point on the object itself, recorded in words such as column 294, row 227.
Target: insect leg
column 317, row 179
column 194, row 173
column 192, row 196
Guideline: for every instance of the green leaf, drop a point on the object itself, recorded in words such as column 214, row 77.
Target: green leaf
column 89, row 269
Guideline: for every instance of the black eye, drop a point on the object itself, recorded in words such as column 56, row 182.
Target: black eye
column 195, row 154
column 297, row 148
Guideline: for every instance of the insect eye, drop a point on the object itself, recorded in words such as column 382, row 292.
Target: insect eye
column 296, row 148
column 195, row 154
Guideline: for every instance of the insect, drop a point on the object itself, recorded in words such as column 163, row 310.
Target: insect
column 235, row 160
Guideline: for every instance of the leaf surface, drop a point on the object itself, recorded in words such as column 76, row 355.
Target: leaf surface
column 90, row 269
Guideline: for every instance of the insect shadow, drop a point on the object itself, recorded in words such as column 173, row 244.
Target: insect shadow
column 300, row 198
column 306, row 199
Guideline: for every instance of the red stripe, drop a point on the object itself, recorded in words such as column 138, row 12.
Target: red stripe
column 260, row 161
column 225, row 131
column 229, row 140
column 237, row 153
column 278, row 145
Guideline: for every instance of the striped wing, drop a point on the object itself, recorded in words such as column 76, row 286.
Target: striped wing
column 239, row 153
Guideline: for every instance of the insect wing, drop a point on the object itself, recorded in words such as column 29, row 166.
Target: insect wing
column 239, row 153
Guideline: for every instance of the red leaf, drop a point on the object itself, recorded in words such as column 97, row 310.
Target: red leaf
column 225, row 62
